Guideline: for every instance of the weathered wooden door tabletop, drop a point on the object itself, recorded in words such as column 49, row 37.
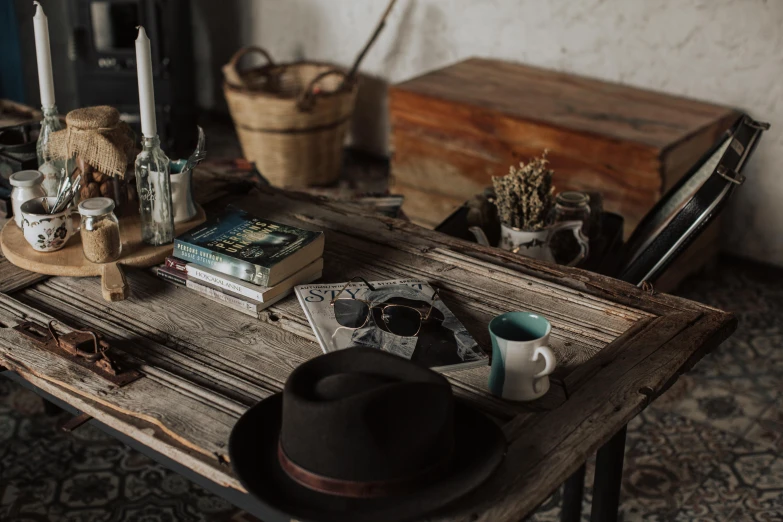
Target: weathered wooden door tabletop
column 618, row 348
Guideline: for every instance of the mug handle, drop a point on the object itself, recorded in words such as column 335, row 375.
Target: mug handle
column 576, row 227
column 75, row 223
column 549, row 366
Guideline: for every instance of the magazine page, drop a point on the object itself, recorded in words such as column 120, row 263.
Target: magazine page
column 442, row 341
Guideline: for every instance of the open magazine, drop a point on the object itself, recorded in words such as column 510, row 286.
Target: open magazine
column 442, row 342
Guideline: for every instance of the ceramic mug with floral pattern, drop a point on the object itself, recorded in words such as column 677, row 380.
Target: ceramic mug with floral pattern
column 47, row 232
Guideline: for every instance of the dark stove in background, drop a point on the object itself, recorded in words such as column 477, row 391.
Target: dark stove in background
column 17, row 152
column 102, row 48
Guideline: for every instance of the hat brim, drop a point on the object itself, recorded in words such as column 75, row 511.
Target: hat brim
column 479, row 449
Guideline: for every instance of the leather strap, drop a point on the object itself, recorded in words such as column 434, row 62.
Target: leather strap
column 356, row 489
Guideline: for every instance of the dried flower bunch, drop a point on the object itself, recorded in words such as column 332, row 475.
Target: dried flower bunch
column 525, row 195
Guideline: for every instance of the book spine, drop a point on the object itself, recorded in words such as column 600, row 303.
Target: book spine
column 216, row 261
column 171, row 278
column 218, row 295
column 196, row 273
column 168, row 276
column 176, row 264
column 227, row 304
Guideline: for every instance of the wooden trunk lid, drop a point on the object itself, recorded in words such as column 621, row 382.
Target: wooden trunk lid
column 455, row 128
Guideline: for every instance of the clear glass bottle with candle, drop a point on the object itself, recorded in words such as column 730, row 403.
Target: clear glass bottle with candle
column 53, row 170
column 154, row 188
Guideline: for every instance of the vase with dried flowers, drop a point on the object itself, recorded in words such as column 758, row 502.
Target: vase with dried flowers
column 524, row 198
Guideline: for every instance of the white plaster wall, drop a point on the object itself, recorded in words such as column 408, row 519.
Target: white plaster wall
column 725, row 51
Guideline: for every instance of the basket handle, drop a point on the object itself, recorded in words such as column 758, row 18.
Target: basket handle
column 306, row 100
column 230, row 69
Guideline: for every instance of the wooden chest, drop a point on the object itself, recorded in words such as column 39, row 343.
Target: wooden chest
column 455, row 128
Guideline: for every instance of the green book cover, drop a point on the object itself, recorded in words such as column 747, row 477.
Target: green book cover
column 251, row 248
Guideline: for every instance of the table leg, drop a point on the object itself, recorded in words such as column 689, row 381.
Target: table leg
column 608, row 478
column 573, row 492
column 51, row 409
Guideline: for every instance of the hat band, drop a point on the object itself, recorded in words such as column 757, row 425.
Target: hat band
column 357, row 489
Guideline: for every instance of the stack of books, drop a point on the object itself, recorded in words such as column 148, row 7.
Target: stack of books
column 244, row 262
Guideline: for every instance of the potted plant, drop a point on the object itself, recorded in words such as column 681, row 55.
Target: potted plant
column 524, row 199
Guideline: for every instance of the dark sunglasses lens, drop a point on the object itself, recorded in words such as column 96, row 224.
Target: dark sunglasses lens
column 350, row 313
column 401, row 320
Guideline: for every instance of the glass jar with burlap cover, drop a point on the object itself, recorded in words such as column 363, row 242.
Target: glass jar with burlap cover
column 104, row 149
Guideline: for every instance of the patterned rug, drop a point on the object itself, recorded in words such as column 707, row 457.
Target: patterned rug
column 709, row 450
column 86, row 476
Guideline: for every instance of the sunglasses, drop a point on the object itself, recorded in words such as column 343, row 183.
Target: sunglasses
column 398, row 319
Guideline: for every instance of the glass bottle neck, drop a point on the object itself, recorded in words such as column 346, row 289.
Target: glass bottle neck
column 150, row 143
column 51, row 118
column 49, row 112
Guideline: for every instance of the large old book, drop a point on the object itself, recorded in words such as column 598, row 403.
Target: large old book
column 442, row 342
column 455, row 128
column 250, row 248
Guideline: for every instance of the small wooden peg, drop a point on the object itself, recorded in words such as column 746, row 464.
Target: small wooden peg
column 114, row 286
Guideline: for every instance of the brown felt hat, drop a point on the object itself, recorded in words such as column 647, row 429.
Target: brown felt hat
column 360, row 434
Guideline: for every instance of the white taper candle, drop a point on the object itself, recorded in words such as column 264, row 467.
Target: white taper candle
column 44, row 56
column 146, row 93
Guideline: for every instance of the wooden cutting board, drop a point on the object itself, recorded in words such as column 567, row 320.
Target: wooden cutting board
column 70, row 260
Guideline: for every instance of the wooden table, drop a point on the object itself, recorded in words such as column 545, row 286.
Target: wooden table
column 618, row 348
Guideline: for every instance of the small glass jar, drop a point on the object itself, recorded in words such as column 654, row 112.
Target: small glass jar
column 101, row 240
column 569, row 206
column 27, row 186
column 572, row 206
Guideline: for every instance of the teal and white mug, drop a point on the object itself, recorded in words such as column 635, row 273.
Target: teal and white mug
column 521, row 357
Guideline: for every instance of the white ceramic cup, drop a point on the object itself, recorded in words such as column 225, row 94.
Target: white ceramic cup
column 521, row 357
column 47, row 232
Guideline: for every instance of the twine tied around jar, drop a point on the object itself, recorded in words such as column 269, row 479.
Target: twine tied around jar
column 98, row 136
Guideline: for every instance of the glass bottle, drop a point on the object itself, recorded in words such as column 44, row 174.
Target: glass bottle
column 154, row 189
column 53, row 170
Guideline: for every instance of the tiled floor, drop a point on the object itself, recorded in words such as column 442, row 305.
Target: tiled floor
column 709, row 450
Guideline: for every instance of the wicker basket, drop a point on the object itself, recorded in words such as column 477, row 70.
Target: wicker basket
column 291, row 118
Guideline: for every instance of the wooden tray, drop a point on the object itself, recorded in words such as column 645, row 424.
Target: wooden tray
column 70, row 260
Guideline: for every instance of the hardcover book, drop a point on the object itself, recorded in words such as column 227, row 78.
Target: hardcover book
column 171, row 275
column 250, row 248
column 442, row 343
column 237, row 286
column 235, row 302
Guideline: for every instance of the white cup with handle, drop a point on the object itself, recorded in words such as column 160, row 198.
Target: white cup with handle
column 47, row 232
column 521, row 357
